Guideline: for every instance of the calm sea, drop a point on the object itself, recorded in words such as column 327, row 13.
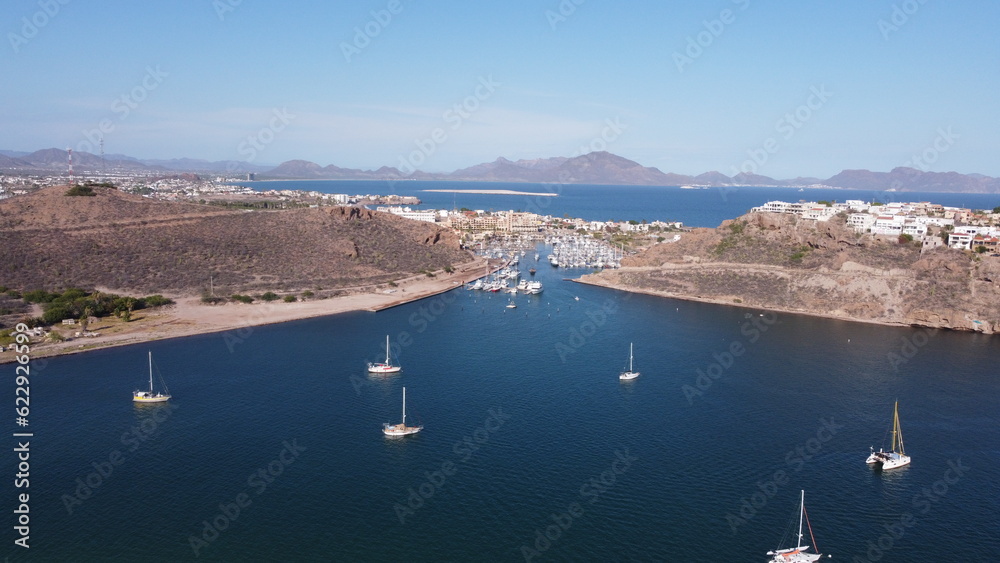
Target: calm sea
column 532, row 450
column 694, row 207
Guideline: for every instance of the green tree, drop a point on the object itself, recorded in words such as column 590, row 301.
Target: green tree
column 269, row 296
column 80, row 191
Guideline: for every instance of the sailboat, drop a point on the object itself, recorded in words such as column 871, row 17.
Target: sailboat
column 401, row 429
column 629, row 374
column 386, row 366
column 150, row 396
column 896, row 457
column 798, row 553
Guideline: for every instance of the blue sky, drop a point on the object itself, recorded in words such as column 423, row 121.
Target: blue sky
column 780, row 88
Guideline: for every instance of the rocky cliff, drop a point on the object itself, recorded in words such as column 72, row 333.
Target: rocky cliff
column 783, row 262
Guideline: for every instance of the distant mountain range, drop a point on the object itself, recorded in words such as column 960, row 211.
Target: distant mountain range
column 592, row 168
column 55, row 160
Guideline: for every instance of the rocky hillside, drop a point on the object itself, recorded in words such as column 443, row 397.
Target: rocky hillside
column 131, row 244
column 782, row 262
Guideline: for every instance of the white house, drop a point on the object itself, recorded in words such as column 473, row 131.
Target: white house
column 861, row 221
column 959, row 240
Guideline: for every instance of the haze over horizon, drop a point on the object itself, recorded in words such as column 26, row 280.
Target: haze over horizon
column 781, row 89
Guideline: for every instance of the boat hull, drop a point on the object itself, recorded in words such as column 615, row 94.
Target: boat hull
column 887, row 460
column 396, row 430
column 628, row 375
column 382, row 368
column 146, row 398
column 795, row 557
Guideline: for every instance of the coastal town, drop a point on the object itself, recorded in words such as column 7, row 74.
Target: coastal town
column 932, row 225
column 475, row 225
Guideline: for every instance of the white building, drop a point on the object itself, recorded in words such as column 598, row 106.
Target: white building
column 960, row 240
column 408, row 213
column 861, row 221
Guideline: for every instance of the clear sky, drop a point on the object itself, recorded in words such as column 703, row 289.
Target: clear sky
column 783, row 88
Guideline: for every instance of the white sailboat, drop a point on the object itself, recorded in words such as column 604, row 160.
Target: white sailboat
column 150, row 396
column 401, row 429
column 798, row 553
column 896, row 457
column 386, row 366
column 628, row 374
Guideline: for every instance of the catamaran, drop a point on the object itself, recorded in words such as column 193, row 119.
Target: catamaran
column 386, row 366
column 628, row 374
column 150, row 396
column 896, row 457
column 798, row 553
column 401, row 429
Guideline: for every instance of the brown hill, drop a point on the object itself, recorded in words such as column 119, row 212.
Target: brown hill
column 131, row 244
column 781, row 262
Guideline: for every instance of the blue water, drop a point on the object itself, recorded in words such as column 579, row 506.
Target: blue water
column 525, row 416
column 694, row 207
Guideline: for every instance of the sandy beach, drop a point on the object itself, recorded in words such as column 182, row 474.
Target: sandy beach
column 189, row 316
column 494, row 192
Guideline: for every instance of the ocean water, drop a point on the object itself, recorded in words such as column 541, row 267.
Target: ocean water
column 694, row 207
column 533, row 449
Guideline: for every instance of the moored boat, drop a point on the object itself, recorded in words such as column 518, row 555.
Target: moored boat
column 896, row 456
column 386, row 366
column 151, row 396
column 401, row 429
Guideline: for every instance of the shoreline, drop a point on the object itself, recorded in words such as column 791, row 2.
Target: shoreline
column 713, row 301
column 189, row 317
column 494, row 192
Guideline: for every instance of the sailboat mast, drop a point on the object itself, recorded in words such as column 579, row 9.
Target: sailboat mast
column 630, row 356
column 897, row 435
column 150, row 371
column 802, row 507
column 404, row 406
column 387, row 352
